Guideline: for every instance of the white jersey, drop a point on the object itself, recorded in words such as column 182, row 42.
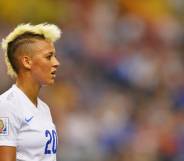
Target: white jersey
column 28, row 128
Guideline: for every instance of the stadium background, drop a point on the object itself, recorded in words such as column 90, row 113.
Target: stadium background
column 119, row 94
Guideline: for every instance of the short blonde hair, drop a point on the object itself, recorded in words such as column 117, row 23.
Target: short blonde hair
column 48, row 31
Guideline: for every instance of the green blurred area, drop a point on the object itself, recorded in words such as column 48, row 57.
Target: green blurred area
column 36, row 11
column 32, row 11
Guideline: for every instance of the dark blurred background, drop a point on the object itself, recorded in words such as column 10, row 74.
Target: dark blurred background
column 119, row 93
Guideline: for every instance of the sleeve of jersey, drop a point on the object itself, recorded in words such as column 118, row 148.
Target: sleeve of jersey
column 9, row 125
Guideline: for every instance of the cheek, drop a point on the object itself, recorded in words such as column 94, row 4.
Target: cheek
column 40, row 68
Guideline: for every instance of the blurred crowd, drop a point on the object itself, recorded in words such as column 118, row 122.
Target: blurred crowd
column 119, row 93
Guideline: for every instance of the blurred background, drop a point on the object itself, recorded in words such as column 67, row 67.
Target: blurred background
column 119, row 93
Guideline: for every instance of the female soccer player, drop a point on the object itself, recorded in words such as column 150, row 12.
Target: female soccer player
column 27, row 132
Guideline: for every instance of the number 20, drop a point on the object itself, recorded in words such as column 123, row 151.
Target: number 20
column 52, row 139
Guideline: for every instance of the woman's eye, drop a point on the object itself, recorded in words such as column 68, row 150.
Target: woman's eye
column 49, row 57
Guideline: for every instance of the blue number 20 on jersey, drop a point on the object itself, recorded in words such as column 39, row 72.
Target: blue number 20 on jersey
column 51, row 144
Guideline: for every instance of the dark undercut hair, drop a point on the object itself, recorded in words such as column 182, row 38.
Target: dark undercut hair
column 21, row 41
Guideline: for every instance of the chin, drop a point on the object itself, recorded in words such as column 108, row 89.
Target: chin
column 51, row 82
column 47, row 83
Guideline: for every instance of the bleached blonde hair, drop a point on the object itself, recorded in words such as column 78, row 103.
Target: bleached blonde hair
column 49, row 31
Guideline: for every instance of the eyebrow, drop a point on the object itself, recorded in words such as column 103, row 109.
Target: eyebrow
column 51, row 53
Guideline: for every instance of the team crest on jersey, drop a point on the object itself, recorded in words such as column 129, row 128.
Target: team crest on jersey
column 3, row 126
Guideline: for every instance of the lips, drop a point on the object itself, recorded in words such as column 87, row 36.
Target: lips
column 53, row 73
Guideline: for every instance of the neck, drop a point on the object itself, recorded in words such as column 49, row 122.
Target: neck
column 30, row 88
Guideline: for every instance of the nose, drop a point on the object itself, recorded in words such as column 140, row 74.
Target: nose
column 56, row 62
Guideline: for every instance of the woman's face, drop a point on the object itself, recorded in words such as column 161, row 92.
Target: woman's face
column 44, row 62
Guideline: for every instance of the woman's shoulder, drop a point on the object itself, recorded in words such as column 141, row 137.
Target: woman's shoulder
column 8, row 99
column 8, row 105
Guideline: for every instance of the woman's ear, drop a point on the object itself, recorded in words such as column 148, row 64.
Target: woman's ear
column 26, row 61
